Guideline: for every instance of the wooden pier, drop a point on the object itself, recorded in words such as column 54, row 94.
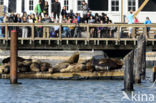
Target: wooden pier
column 115, row 74
column 120, row 40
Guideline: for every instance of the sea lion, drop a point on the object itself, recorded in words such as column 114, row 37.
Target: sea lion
column 35, row 67
column 73, row 59
column 73, row 68
column 7, row 60
column 60, row 66
column 45, row 66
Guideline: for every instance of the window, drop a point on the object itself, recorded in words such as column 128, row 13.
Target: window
column 131, row 5
column 66, row 4
column 115, row 5
column 12, row 6
column 79, row 4
column 98, row 5
column 150, row 6
column 31, row 5
column 1, row 2
column 52, row 2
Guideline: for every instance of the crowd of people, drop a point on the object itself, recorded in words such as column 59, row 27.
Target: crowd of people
column 41, row 15
column 133, row 20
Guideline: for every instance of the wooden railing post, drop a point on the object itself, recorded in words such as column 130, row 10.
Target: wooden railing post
column 118, row 33
column 33, row 35
column 147, row 35
column 60, row 32
column 88, row 35
column 6, row 31
column 133, row 32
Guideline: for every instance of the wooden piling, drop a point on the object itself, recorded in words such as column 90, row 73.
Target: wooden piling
column 128, row 73
column 140, row 59
column 137, row 68
column 154, row 73
column 13, row 59
column 143, row 74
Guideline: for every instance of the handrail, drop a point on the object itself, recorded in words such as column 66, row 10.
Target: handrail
column 88, row 26
column 70, row 24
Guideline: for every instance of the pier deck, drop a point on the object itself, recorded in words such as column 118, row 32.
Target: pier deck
column 119, row 40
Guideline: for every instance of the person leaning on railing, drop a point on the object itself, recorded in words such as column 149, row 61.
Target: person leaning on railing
column 24, row 28
column 39, row 28
column 130, row 21
column 92, row 29
column 29, row 20
column 148, row 21
column 46, row 20
column 100, row 30
column 77, row 31
column 1, row 21
column 66, row 30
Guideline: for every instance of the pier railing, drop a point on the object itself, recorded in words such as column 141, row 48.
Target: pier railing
column 82, row 32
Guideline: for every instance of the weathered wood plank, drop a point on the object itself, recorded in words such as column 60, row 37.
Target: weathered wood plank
column 140, row 59
column 80, row 75
column 128, row 73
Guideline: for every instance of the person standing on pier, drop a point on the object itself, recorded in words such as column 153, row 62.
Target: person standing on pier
column 38, row 9
column 24, row 28
column 84, row 9
column 46, row 8
column 148, row 21
column 56, row 9
column 130, row 21
column 64, row 13
column 46, row 20
column 1, row 21
column 42, row 5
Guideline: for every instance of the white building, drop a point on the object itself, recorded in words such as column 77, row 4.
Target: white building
column 111, row 7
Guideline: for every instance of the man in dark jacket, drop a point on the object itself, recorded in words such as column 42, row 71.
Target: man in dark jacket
column 64, row 12
column 56, row 8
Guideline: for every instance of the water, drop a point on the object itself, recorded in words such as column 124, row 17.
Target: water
column 69, row 91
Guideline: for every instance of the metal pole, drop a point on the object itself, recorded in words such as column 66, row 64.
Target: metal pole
column 13, row 57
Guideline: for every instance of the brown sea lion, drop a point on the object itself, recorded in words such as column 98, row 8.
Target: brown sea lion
column 73, row 59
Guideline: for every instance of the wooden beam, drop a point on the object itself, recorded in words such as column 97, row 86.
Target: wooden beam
column 122, row 18
column 141, row 7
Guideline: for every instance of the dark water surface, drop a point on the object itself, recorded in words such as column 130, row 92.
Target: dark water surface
column 55, row 91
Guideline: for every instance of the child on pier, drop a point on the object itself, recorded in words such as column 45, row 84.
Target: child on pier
column 39, row 28
column 24, row 29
